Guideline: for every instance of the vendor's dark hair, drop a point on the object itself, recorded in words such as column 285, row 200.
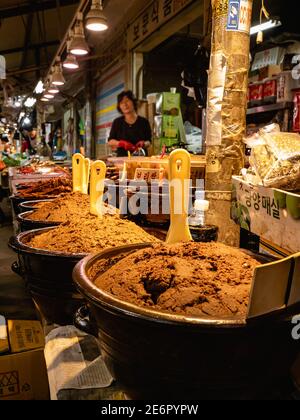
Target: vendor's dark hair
column 127, row 94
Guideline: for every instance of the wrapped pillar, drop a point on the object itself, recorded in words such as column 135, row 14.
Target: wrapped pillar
column 227, row 107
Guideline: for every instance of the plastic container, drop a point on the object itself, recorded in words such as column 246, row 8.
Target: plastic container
column 199, row 230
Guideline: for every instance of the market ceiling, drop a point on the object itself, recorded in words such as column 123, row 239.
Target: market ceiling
column 30, row 32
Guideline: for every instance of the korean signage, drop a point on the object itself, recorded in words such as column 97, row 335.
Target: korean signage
column 148, row 175
column 239, row 15
column 272, row 214
column 158, row 13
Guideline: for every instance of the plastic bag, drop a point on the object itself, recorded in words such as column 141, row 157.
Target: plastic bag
column 275, row 158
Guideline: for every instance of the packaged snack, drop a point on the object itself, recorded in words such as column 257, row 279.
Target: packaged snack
column 275, row 158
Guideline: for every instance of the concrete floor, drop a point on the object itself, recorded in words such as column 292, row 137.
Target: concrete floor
column 15, row 303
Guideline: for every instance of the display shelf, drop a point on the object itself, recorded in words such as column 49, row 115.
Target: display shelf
column 269, row 108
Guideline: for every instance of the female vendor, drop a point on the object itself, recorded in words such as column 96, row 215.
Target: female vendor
column 130, row 132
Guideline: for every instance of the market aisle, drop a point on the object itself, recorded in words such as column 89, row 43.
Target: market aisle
column 15, row 303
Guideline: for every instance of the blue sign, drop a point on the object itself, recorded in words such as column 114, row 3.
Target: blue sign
column 234, row 8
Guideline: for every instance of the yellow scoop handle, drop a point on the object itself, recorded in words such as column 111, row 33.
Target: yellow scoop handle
column 179, row 171
column 98, row 173
column 87, row 173
column 79, row 173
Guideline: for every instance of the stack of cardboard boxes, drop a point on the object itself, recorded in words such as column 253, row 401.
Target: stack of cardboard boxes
column 23, row 372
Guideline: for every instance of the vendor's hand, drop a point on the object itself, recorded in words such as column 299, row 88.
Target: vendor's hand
column 140, row 144
column 126, row 145
column 143, row 144
column 114, row 144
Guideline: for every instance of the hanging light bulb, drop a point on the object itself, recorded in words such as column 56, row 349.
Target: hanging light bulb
column 48, row 95
column 43, row 99
column 57, row 76
column 70, row 62
column 53, row 89
column 96, row 20
column 78, row 44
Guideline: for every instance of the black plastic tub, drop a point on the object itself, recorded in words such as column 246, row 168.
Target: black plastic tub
column 48, row 276
column 154, row 355
column 16, row 200
column 32, row 205
column 28, row 224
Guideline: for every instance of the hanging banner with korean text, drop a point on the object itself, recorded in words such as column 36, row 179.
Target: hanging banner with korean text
column 2, row 67
column 158, row 13
column 239, row 16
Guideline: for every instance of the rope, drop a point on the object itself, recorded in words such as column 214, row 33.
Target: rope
column 263, row 11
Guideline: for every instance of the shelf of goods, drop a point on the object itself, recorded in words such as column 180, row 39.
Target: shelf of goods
column 270, row 108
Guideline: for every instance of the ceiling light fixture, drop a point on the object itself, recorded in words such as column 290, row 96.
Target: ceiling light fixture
column 70, row 62
column 265, row 26
column 78, row 44
column 39, row 88
column 44, row 99
column 30, row 102
column 53, row 90
column 49, row 95
column 57, row 76
column 270, row 23
column 96, row 20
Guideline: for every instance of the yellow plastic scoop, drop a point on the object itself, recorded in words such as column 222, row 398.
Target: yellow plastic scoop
column 87, row 173
column 79, row 173
column 98, row 173
column 179, row 175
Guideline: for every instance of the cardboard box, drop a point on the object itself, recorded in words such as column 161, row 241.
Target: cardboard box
column 269, row 71
column 267, row 212
column 23, row 372
column 23, row 376
column 25, row 335
column 4, row 344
